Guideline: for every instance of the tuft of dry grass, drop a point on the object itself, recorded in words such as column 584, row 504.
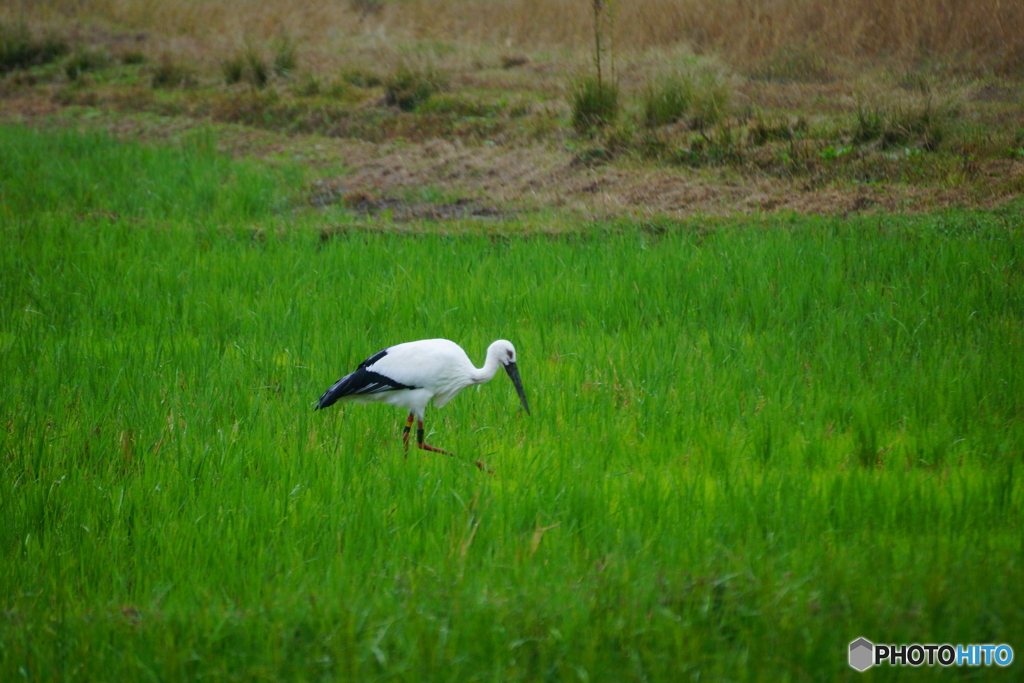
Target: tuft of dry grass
column 19, row 48
column 168, row 73
column 594, row 103
column 83, row 61
column 410, row 86
column 699, row 91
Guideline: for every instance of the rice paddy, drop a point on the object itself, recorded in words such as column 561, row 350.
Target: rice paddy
column 752, row 440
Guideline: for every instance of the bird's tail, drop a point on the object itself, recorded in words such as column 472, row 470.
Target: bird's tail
column 361, row 382
column 331, row 396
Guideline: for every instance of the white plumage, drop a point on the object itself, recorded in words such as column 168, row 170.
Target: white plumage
column 410, row 375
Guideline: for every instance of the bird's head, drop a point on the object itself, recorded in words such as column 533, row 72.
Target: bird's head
column 506, row 355
column 504, row 351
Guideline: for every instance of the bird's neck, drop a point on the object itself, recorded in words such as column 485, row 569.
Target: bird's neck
column 484, row 374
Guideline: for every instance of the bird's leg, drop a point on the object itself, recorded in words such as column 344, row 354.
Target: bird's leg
column 428, row 447
column 405, row 434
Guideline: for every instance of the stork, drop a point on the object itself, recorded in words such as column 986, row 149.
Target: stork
column 410, row 375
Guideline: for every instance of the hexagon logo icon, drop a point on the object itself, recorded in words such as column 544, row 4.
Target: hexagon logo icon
column 862, row 654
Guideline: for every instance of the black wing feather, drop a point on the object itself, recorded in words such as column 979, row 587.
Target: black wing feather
column 362, row 381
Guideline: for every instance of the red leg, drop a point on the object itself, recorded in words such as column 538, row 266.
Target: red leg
column 405, row 434
column 427, row 447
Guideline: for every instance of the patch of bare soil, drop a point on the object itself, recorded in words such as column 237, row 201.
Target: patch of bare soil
column 500, row 181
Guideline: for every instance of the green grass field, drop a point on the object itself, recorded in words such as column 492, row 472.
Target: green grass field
column 752, row 441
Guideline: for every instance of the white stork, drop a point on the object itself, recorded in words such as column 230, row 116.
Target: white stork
column 411, row 374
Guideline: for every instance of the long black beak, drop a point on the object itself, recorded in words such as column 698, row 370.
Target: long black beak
column 513, row 372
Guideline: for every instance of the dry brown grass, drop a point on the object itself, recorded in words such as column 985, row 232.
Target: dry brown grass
column 792, row 34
